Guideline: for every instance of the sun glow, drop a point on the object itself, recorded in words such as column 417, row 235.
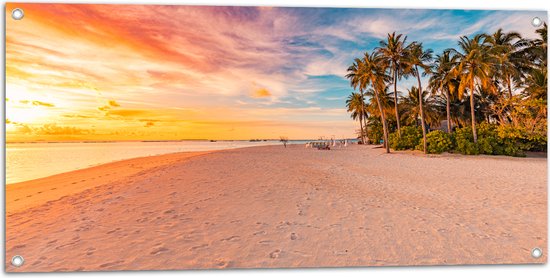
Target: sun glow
column 22, row 107
column 80, row 72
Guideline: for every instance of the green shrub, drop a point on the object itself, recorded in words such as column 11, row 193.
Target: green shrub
column 538, row 141
column 515, row 141
column 375, row 131
column 464, row 141
column 487, row 139
column 497, row 140
column 410, row 137
column 438, row 141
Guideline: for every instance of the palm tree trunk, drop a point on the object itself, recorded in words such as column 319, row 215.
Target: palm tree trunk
column 395, row 100
column 361, row 124
column 449, row 125
column 365, row 119
column 420, row 100
column 384, row 125
column 472, row 111
column 361, row 115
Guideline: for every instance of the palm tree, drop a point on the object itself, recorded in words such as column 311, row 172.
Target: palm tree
column 356, row 105
column 393, row 51
column 357, row 80
column 538, row 48
column 508, row 62
column 536, row 84
column 418, row 58
column 411, row 105
column 442, row 81
column 386, row 100
column 537, row 79
column 370, row 72
column 474, row 69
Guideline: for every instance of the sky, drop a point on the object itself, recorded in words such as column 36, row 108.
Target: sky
column 134, row 72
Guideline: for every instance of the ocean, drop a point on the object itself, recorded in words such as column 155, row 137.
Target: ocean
column 28, row 161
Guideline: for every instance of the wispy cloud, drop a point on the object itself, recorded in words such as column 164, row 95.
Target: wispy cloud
column 166, row 67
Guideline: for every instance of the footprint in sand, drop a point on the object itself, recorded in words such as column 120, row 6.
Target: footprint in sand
column 275, row 254
column 198, row 247
column 293, row 236
column 112, row 231
column 265, row 241
column 222, row 263
column 110, row 264
column 232, row 238
column 159, row 250
column 260, row 233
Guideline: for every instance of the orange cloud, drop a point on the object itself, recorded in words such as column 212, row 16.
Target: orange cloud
column 77, row 116
column 36, row 103
column 54, row 129
column 110, row 104
column 261, row 93
column 24, row 129
column 41, row 103
column 51, row 129
column 128, row 113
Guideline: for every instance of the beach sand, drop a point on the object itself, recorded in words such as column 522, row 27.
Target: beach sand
column 266, row 207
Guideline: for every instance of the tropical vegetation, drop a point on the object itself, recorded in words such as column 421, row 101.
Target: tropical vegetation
column 486, row 96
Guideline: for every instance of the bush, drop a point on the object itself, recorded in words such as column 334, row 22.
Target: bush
column 410, row 137
column 515, row 141
column 487, row 139
column 491, row 140
column 464, row 141
column 497, row 140
column 438, row 141
column 375, row 131
column 538, row 141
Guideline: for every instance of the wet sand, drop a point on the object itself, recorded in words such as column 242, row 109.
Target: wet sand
column 267, row 207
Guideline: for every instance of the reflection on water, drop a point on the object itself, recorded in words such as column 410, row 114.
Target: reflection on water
column 31, row 161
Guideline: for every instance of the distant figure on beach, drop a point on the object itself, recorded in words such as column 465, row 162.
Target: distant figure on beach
column 284, row 139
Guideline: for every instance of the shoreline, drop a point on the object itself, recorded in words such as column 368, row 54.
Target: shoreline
column 533, row 155
column 274, row 207
column 23, row 186
column 44, row 189
column 56, row 171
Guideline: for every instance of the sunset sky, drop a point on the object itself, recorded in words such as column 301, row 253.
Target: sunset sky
column 125, row 72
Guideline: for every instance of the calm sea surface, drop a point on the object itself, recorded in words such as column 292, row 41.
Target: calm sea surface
column 28, row 161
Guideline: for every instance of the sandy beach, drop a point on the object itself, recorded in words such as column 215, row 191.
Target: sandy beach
column 271, row 207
